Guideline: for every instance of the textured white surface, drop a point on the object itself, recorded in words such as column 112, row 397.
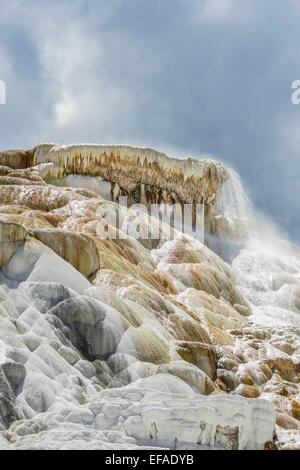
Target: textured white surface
column 112, row 365
column 134, row 416
column 62, row 403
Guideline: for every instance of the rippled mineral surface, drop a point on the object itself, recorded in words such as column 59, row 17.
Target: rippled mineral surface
column 131, row 342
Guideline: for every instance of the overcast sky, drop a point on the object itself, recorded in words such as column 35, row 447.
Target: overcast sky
column 188, row 77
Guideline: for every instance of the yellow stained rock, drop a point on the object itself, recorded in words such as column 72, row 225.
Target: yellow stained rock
column 221, row 338
column 191, row 374
column 45, row 198
column 77, row 249
column 201, row 355
column 12, row 236
column 247, row 391
column 145, row 345
column 246, row 379
column 188, row 329
column 287, row 422
column 295, row 409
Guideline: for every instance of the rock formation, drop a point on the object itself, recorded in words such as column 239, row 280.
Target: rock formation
column 121, row 342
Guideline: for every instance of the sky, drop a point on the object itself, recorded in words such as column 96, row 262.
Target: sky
column 188, row 77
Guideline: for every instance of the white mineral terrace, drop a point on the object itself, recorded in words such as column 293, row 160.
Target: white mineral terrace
column 117, row 343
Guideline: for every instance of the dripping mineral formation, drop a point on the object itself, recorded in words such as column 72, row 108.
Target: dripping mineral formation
column 118, row 343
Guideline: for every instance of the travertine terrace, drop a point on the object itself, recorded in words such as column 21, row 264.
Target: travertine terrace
column 143, row 173
column 117, row 344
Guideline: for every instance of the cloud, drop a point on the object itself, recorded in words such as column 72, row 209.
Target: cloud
column 217, row 8
column 209, row 76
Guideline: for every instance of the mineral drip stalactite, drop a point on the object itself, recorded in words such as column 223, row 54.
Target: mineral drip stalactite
column 145, row 174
